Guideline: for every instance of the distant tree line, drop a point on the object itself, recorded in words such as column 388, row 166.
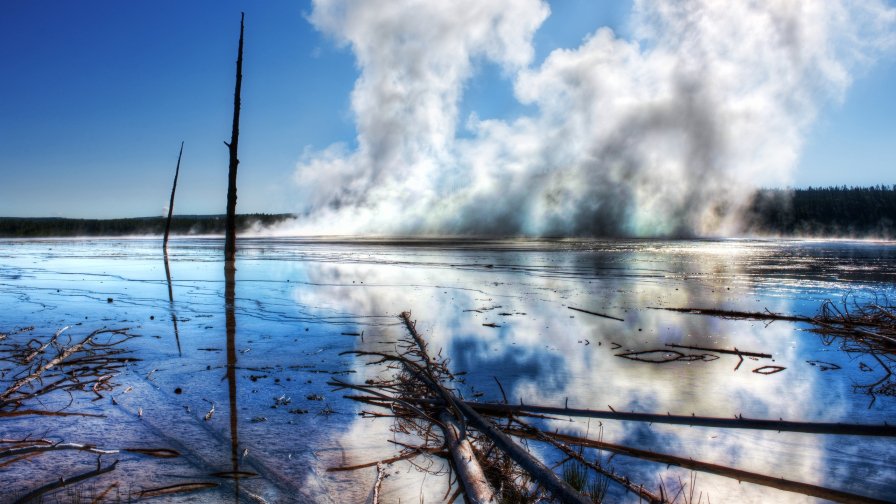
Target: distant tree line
column 846, row 212
column 29, row 227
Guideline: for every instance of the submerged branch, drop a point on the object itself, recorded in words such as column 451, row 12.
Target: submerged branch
column 740, row 422
column 738, row 474
column 62, row 482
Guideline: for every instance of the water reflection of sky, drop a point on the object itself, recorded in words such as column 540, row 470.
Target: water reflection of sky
column 299, row 303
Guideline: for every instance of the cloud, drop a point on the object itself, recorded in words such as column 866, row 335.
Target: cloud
column 663, row 134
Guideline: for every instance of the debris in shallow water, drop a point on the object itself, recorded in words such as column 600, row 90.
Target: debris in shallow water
column 767, row 370
column 175, row 489
column 824, row 366
column 595, row 313
column 259, row 419
column 736, row 351
column 314, row 397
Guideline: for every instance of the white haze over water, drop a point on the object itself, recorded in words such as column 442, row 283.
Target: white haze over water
column 663, row 134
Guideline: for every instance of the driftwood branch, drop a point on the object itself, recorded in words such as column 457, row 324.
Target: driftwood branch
column 43, row 347
column 49, row 365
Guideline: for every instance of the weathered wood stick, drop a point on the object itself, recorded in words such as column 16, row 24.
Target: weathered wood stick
column 729, row 472
column 595, row 313
column 884, row 430
column 722, row 351
column 390, row 460
column 712, row 312
column 59, row 446
column 476, row 487
column 175, row 489
column 43, row 347
column 380, row 474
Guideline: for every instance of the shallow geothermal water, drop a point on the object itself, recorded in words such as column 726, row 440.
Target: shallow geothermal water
column 299, row 303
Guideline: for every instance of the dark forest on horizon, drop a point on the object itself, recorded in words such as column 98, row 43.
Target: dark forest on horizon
column 833, row 212
column 819, row 212
column 46, row 227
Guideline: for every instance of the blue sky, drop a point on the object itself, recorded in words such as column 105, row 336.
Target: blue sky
column 96, row 97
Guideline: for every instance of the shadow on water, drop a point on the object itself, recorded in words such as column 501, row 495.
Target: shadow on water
column 171, row 304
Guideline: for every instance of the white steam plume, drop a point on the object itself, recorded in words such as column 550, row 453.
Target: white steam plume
column 662, row 135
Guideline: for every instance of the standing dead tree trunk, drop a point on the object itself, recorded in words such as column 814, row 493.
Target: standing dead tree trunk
column 230, row 230
column 171, row 203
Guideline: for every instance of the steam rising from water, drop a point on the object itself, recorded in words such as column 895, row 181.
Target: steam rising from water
column 664, row 134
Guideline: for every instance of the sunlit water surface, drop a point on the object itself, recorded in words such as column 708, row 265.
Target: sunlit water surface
column 300, row 303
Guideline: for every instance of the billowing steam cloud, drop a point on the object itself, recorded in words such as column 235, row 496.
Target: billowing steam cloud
column 664, row 134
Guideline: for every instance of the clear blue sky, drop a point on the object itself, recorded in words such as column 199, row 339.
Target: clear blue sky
column 95, row 98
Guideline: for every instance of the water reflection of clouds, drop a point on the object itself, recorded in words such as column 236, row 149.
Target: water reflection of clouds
column 542, row 352
column 539, row 354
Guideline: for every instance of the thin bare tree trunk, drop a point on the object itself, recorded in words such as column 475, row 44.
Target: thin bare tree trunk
column 230, row 231
column 171, row 203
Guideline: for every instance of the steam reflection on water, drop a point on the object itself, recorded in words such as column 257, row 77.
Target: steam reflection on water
column 297, row 304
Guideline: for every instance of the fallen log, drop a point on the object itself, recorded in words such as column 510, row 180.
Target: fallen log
column 884, row 430
column 558, row 488
column 734, row 314
column 729, row 472
column 469, row 472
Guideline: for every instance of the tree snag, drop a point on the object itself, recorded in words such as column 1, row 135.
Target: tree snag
column 230, row 223
column 171, row 203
